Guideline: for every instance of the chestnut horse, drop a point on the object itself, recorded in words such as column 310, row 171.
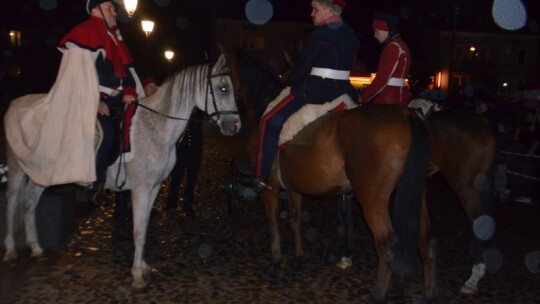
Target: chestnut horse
column 379, row 153
column 462, row 152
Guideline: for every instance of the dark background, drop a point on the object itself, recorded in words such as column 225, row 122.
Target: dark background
column 186, row 26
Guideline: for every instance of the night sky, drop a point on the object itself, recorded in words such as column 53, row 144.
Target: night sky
column 185, row 25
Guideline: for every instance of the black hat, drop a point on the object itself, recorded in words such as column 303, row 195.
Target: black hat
column 90, row 4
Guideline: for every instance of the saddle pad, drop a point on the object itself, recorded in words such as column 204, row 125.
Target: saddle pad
column 423, row 106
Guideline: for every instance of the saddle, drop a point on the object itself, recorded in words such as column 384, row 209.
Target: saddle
column 301, row 127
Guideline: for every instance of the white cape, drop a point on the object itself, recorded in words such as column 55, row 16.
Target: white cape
column 52, row 135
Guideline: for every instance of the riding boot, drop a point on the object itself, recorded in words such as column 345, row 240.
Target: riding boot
column 99, row 197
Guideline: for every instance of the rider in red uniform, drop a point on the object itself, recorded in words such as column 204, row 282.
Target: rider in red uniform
column 388, row 87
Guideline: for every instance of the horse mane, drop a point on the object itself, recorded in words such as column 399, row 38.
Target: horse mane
column 259, row 85
column 191, row 79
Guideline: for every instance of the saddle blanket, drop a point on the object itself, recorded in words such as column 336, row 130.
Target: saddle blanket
column 307, row 114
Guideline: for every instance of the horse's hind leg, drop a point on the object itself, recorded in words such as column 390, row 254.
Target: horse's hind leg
column 32, row 194
column 427, row 250
column 16, row 182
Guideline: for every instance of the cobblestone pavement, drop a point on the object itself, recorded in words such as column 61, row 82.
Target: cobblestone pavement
column 216, row 259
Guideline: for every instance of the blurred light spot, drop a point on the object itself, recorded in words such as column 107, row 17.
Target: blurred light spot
column 205, row 251
column 163, row 3
column 509, row 14
column 48, row 5
column 259, row 11
column 182, row 22
column 284, row 215
column 493, row 258
column 532, row 261
column 484, row 227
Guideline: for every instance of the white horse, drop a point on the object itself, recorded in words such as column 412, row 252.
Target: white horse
column 156, row 128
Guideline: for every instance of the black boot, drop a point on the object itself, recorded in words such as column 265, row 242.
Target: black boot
column 99, row 197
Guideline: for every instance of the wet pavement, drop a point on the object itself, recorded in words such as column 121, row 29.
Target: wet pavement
column 214, row 258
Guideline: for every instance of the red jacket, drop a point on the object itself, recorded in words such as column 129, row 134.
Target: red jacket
column 394, row 62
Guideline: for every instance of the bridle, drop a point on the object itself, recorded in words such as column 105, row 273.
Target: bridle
column 209, row 91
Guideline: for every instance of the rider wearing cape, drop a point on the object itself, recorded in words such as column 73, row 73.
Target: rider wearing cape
column 52, row 135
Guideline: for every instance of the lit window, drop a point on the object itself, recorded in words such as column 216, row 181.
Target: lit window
column 15, row 38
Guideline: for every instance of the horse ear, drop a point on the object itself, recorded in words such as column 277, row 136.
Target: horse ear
column 220, row 65
column 222, row 49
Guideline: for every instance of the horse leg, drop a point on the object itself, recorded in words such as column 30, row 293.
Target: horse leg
column 475, row 202
column 295, row 211
column 271, row 205
column 380, row 225
column 32, row 194
column 16, row 184
column 345, row 242
column 477, row 245
column 427, row 250
column 143, row 197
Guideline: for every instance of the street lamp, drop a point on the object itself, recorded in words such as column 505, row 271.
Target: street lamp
column 169, row 55
column 147, row 27
column 131, row 6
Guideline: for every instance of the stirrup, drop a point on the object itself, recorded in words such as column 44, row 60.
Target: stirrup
column 260, row 185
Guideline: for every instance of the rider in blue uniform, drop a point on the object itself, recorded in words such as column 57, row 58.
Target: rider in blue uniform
column 321, row 74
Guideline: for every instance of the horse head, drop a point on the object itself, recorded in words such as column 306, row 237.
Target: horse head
column 220, row 102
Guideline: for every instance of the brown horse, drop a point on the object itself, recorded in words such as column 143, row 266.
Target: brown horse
column 379, row 153
column 462, row 152
column 463, row 149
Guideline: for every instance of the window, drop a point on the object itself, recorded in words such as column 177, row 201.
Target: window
column 15, row 38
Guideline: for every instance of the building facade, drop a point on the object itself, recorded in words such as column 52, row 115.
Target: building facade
column 501, row 61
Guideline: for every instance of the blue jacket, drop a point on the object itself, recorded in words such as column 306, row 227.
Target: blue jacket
column 333, row 46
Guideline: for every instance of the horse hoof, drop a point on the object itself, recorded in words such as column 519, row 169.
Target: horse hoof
column 38, row 255
column 139, row 286
column 468, row 290
column 10, row 257
column 344, row 263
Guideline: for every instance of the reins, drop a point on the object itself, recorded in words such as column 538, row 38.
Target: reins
column 209, row 88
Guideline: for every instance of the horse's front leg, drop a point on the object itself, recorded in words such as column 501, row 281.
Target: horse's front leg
column 271, row 205
column 33, row 193
column 143, row 197
column 295, row 211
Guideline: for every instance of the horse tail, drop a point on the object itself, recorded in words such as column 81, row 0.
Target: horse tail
column 407, row 202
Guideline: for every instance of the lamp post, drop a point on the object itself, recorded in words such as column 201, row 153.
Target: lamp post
column 131, row 6
column 147, row 27
column 169, row 55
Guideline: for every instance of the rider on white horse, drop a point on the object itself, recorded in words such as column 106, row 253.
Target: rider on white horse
column 116, row 76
